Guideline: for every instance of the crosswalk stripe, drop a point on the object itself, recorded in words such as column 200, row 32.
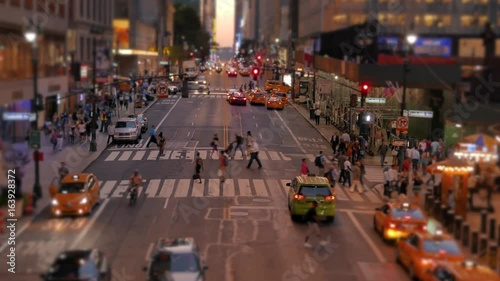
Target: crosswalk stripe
column 125, row 155
column 228, row 188
column 244, row 187
column 274, row 155
column 285, row 188
column 263, row 155
column 167, row 188
column 340, row 194
column 214, row 190
column 112, row 156
column 372, row 197
column 182, row 188
column 167, row 155
column 260, row 188
column 311, row 157
column 152, row 188
column 139, row 155
column 139, row 190
column 106, row 189
column 274, row 188
column 355, row 196
column 203, row 154
column 284, row 157
column 198, row 189
column 121, row 189
column 153, row 155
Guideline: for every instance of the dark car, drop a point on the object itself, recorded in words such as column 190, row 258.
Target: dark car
column 238, row 98
column 79, row 265
column 176, row 259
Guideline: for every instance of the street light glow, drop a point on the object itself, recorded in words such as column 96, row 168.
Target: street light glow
column 30, row 36
column 411, row 38
column 277, row 40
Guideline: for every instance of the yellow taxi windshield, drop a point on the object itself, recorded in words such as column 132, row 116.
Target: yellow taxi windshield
column 414, row 214
column 447, row 246
column 74, row 187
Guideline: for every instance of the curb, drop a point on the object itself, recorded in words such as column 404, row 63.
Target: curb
column 310, row 122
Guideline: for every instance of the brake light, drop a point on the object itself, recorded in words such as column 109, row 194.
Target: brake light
column 299, row 197
column 407, row 217
column 392, row 225
column 244, row 98
column 329, row 198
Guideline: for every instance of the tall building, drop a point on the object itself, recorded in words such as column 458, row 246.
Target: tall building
column 246, row 16
column 135, row 39
column 16, row 70
column 269, row 20
column 85, row 18
column 207, row 18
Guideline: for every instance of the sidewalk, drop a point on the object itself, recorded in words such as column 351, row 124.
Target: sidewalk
column 76, row 156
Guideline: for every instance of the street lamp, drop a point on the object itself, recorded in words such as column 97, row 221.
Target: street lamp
column 277, row 40
column 31, row 36
column 410, row 40
column 93, row 123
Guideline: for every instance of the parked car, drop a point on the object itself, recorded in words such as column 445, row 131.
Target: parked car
column 79, row 265
column 142, row 120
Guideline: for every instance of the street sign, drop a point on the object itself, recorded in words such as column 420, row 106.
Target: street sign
column 418, row 114
column 398, row 142
column 35, row 140
column 402, row 123
column 18, row 116
column 162, row 89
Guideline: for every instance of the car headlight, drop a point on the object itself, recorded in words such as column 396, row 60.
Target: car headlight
column 84, row 201
column 54, row 202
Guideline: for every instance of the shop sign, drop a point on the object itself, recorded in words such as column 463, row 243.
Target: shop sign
column 19, row 116
column 373, row 100
column 418, row 114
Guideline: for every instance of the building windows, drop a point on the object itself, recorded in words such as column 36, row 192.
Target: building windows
column 15, row 3
column 391, row 18
column 82, row 8
column 358, row 18
column 477, row 2
column 433, row 20
column 52, row 8
column 473, row 20
column 62, row 10
column 81, row 47
column 28, row 5
column 88, row 8
column 340, row 19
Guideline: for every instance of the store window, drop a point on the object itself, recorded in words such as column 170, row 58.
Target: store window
column 433, row 20
column 62, row 10
column 340, row 19
column 391, row 18
column 473, row 20
column 358, row 18
column 477, row 2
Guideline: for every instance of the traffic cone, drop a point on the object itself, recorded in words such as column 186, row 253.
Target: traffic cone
column 28, row 204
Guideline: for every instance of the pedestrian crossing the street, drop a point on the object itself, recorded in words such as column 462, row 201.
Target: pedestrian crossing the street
column 153, row 155
column 374, row 174
column 185, row 188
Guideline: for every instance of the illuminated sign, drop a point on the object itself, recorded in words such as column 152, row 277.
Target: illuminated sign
column 440, row 47
column 373, row 100
column 418, row 114
column 18, row 116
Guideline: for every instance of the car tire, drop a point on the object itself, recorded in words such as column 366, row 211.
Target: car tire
column 330, row 219
column 294, row 218
column 411, row 273
column 375, row 225
column 398, row 258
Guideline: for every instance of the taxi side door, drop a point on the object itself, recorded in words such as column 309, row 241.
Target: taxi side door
column 292, row 190
column 93, row 190
column 381, row 215
column 410, row 250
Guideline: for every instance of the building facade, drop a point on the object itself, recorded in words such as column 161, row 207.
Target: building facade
column 16, row 71
column 207, row 19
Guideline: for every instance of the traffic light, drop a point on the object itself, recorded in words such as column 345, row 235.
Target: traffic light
column 365, row 87
column 255, row 73
column 259, row 57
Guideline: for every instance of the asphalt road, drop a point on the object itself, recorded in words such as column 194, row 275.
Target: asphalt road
column 242, row 226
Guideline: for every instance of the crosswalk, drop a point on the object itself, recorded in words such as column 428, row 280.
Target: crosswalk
column 184, row 188
column 153, row 155
column 374, row 174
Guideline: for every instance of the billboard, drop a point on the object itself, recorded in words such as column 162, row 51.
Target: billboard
column 436, row 47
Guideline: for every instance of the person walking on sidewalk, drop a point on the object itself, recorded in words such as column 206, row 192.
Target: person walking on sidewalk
column 312, row 226
column 161, row 143
column 347, row 174
column 317, row 115
column 63, row 171
column 334, row 142
column 214, row 144
column 111, row 133
column 152, row 136
column 382, row 151
column 320, row 163
column 248, row 142
column 304, row 169
column 356, row 179
column 417, row 187
column 198, row 167
column 239, row 146
column 223, row 162
column 60, row 139
column 415, row 158
column 104, row 119
column 254, row 155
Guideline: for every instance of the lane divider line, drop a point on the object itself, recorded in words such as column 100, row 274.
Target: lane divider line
column 91, row 223
column 367, row 238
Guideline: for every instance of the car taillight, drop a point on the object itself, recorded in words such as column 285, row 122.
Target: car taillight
column 244, row 98
column 392, row 225
column 299, row 197
column 329, row 198
column 407, row 218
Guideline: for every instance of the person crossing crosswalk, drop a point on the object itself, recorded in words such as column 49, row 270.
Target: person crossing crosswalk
column 183, row 188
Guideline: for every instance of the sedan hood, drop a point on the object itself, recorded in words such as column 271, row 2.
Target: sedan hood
column 70, row 198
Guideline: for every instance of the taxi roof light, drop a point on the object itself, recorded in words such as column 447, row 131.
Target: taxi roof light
column 406, row 205
column 439, row 232
column 469, row 263
column 75, row 177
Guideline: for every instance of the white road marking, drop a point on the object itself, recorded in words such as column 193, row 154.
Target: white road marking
column 125, row 156
column 148, row 252
column 198, row 189
column 284, row 157
column 192, row 124
column 18, row 233
column 274, row 155
column 367, row 238
column 213, row 187
column 340, row 193
column 106, row 189
column 355, row 196
column 228, row 189
column 286, row 188
column 121, row 189
column 153, row 155
column 291, row 133
column 263, row 155
column 152, row 188
column 256, row 125
column 244, row 187
column 260, row 188
column 166, row 203
column 274, row 188
column 139, row 155
column 260, row 135
column 164, row 117
column 83, row 233
column 182, row 188
column 372, row 197
column 112, row 156
column 167, row 188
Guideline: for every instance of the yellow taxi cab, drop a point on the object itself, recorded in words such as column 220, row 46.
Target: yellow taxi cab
column 460, row 271
column 276, row 85
column 420, row 251
column 397, row 220
column 244, row 72
column 282, row 95
column 74, row 195
column 275, row 103
column 258, row 98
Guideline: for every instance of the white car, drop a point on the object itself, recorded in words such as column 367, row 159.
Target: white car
column 127, row 129
column 230, row 93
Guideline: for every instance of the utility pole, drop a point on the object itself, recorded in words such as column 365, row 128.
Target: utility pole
column 314, row 89
column 96, row 31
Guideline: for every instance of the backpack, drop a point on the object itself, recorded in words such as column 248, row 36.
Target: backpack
column 317, row 161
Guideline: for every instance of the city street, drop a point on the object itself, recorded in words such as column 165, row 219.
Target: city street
column 242, row 226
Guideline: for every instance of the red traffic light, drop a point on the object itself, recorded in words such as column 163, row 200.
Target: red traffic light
column 259, row 57
column 365, row 87
column 256, row 72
